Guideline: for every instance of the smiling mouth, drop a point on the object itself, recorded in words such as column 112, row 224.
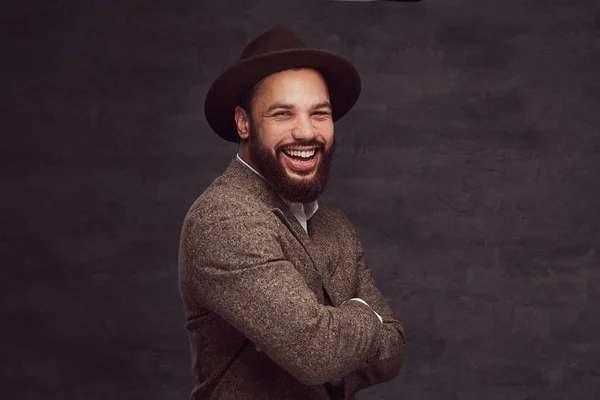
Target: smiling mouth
column 301, row 155
column 301, row 161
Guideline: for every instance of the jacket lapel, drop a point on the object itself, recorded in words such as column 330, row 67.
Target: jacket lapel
column 315, row 252
column 240, row 175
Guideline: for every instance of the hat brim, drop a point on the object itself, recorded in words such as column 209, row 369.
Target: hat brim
column 343, row 82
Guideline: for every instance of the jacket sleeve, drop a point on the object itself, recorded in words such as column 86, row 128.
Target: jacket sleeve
column 389, row 356
column 235, row 266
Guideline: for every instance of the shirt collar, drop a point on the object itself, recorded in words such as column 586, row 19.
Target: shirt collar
column 309, row 209
column 248, row 165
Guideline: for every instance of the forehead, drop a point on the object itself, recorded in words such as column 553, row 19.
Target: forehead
column 297, row 83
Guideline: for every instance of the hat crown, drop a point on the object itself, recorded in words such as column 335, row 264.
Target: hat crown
column 274, row 51
column 275, row 39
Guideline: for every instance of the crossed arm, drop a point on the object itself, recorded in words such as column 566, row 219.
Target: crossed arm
column 235, row 266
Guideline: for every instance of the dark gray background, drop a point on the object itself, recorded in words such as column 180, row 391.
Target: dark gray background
column 469, row 168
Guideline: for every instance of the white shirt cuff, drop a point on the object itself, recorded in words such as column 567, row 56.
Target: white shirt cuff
column 365, row 303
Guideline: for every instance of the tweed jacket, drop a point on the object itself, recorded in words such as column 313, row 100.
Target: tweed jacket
column 250, row 276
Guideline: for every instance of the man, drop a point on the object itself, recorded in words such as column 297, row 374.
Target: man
column 278, row 299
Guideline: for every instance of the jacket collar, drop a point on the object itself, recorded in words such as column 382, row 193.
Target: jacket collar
column 257, row 190
column 309, row 209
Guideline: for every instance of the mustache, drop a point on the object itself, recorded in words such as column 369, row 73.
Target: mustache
column 301, row 143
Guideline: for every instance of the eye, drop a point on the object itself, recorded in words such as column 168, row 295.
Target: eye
column 281, row 114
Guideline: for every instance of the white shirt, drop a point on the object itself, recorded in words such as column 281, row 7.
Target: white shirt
column 303, row 212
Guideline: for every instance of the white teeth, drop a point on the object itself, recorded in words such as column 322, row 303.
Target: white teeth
column 303, row 154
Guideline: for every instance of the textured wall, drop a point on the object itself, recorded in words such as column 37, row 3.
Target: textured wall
column 469, row 167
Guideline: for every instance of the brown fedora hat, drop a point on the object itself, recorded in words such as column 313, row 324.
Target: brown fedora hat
column 276, row 50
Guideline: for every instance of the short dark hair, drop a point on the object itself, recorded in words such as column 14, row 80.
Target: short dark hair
column 248, row 95
column 245, row 103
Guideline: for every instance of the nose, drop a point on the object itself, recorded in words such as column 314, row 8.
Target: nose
column 304, row 128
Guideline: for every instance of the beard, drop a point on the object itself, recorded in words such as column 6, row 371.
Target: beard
column 294, row 189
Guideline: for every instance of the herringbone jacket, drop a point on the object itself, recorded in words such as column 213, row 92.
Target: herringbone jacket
column 251, row 276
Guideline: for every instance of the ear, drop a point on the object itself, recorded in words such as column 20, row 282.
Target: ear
column 242, row 122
